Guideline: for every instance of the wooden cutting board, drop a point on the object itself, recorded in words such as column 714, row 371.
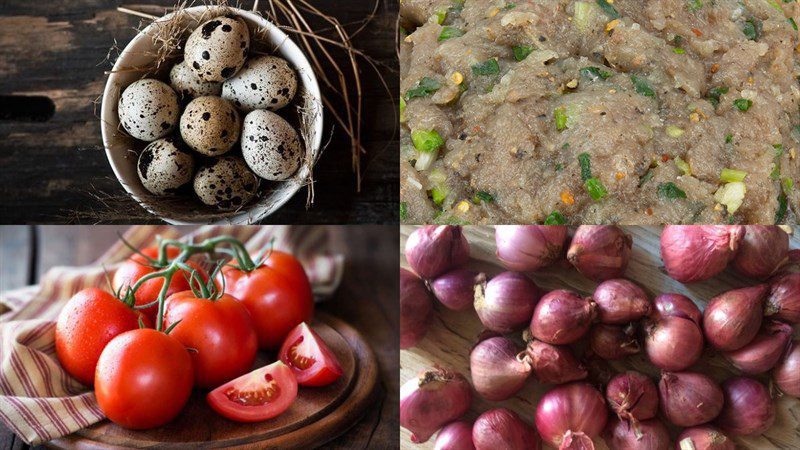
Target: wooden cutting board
column 453, row 334
column 317, row 415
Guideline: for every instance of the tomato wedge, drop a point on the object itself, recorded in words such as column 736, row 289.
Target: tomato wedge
column 312, row 362
column 259, row 395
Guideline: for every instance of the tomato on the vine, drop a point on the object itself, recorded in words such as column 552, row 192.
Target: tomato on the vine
column 260, row 395
column 219, row 331
column 86, row 324
column 138, row 266
column 144, row 378
column 312, row 362
column 277, row 294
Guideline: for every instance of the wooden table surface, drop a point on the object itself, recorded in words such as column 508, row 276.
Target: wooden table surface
column 54, row 170
column 366, row 299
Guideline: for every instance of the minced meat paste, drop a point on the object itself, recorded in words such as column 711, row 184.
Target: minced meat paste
column 600, row 111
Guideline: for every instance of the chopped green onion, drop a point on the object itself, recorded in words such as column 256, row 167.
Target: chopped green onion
column 402, row 110
column 678, row 50
column 482, row 196
column 776, row 165
column 731, row 195
column 728, row 138
column 594, row 73
column 792, row 23
column 646, row 177
column 555, row 218
column 783, row 207
column 425, row 87
column 403, row 211
column 775, row 5
column 677, row 40
column 510, row 6
column 695, row 5
column 715, row 93
column 559, row 167
column 586, row 166
column 642, row 86
column 787, row 185
column 752, row 29
column 427, row 143
column 583, row 17
column 521, row 51
column 673, row 131
column 595, row 189
column 743, row 104
column 488, row 67
column 670, row 191
column 730, row 175
column 683, row 166
column 449, row 32
column 608, row 9
column 438, row 194
column 560, row 115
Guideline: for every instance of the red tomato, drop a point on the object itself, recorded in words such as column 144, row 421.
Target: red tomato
column 260, row 395
column 219, row 330
column 89, row 320
column 143, row 379
column 277, row 294
column 137, row 266
column 312, row 362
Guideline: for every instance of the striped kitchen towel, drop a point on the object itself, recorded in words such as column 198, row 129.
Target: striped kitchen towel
column 39, row 401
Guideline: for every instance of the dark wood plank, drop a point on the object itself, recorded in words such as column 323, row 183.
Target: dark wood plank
column 55, row 171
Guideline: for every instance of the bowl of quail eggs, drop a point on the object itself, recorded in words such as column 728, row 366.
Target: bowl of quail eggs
column 223, row 127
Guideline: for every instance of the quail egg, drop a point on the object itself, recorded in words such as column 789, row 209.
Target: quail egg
column 187, row 85
column 227, row 183
column 265, row 82
column 270, row 145
column 148, row 109
column 210, row 125
column 164, row 167
column 217, row 49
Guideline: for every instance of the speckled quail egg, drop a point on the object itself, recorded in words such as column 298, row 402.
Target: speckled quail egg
column 227, row 183
column 210, row 125
column 148, row 109
column 164, row 167
column 187, row 85
column 265, row 82
column 270, row 145
column 217, row 49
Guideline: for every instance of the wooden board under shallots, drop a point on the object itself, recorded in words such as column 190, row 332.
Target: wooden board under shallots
column 453, row 334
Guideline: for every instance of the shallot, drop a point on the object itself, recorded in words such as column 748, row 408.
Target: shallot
column 416, row 309
column 600, row 252
column 501, row 429
column 562, row 317
column 569, row 416
column 783, row 301
column 762, row 251
column 456, row 289
column 529, row 247
column 455, row 436
column 613, row 342
column 698, row 252
column 497, row 373
column 704, row 437
column 732, row 319
column 431, row 400
column 434, row 249
column 554, row 364
column 632, row 396
column 673, row 343
column 787, row 372
column 647, row 435
column 689, row 398
column 679, row 306
column 506, row 302
column 764, row 351
column 747, row 409
column 620, row 301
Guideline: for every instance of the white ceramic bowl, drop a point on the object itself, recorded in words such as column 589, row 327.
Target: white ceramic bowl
column 122, row 150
